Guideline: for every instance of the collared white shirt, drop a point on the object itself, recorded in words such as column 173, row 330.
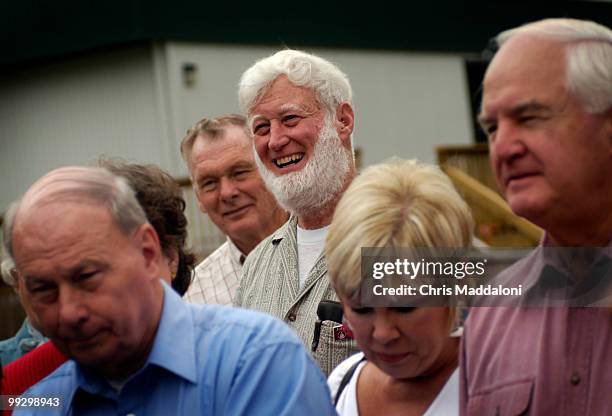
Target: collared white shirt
column 217, row 277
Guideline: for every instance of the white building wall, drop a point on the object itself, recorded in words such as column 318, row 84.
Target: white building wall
column 74, row 111
column 133, row 103
column 406, row 103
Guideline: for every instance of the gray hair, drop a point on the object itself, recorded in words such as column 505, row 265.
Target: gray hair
column 210, row 128
column 588, row 57
column 79, row 184
column 329, row 83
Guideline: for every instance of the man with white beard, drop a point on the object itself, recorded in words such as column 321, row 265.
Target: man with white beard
column 299, row 109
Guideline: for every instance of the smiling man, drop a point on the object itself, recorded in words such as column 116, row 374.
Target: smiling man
column 547, row 111
column 91, row 267
column 219, row 156
column 299, row 109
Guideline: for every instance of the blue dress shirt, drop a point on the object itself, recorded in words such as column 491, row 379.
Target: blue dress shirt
column 206, row 360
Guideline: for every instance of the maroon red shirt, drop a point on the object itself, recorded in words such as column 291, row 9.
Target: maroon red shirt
column 536, row 361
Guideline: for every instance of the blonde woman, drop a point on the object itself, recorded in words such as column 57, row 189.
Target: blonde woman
column 408, row 363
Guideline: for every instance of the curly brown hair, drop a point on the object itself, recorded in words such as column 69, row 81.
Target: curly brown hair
column 162, row 200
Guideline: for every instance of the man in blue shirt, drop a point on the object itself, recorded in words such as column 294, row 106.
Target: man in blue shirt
column 91, row 265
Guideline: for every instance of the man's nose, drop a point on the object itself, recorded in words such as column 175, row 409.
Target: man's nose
column 508, row 142
column 72, row 309
column 278, row 136
column 229, row 189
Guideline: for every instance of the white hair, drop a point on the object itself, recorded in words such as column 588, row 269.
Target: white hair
column 329, row 83
column 588, row 57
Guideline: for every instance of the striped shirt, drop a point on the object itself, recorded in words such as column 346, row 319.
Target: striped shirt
column 270, row 283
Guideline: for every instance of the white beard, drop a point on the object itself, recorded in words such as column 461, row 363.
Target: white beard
column 317, row 183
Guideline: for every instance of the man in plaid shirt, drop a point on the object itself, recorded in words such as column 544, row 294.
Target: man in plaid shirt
column 219, row 155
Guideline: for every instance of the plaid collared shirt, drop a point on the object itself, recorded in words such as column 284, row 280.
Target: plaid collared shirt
column 217, row 277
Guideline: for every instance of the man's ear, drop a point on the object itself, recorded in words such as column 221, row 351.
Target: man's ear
column 148, row 243
column 345, row 122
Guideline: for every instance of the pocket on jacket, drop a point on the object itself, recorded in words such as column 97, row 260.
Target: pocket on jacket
column 511, row 399
column 333, row 348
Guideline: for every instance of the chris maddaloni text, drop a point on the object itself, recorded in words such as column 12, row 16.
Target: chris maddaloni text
column 431, row 290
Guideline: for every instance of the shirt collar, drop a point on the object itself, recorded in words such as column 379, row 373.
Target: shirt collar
column 234, row 251
column 552, row 254
column 547, row 255
column 546, row 241
column 288, row 229
column 173, row 348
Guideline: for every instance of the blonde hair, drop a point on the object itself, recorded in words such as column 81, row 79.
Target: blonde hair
column 399, row 203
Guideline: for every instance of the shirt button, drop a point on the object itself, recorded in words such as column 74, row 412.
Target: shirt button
column 292, row 317
column 575, row 379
